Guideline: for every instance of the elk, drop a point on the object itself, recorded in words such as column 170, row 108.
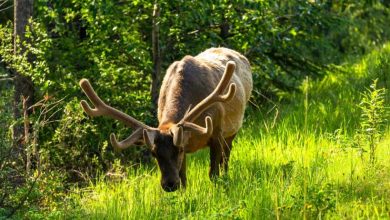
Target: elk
column 202, row 102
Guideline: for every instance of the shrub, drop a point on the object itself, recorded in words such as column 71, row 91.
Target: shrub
column 373, row 118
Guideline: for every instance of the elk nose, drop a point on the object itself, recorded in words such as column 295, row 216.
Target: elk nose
column 171, row 186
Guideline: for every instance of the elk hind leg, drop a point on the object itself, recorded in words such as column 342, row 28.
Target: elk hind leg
column 227, row 144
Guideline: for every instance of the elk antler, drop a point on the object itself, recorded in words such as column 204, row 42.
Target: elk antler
column 102, row 109
column 215, row 96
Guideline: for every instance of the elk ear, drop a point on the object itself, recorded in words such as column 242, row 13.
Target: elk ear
column 149, row 137
column 178, row 136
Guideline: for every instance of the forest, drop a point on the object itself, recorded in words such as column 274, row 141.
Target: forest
column 315, row 139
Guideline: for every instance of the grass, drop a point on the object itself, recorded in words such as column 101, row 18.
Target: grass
column 269, row 178
column 298, row 159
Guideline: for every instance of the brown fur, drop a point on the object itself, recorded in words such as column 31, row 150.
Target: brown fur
column 186, row 83
column 190, row 80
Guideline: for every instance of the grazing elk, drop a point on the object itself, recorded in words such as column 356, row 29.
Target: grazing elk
column 194, row 111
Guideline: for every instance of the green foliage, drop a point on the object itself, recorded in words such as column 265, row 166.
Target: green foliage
column 373, row 118
column 320, row 201
column 280, row 39
column 112, row 56
column 7, row 165
column 109, row 42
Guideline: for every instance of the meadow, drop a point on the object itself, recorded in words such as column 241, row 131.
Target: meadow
column 315, row 143
column 307, row 156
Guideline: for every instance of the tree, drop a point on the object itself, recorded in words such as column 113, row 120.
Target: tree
column 23, row 85
column 156, row 73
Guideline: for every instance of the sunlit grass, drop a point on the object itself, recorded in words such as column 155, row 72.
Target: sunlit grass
column 266, row 179
column 281, row 167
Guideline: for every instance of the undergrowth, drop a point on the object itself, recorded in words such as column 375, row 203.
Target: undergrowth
column 293, row 159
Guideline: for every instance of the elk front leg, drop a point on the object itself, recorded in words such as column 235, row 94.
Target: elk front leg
column 215, row 157
column 182, row 173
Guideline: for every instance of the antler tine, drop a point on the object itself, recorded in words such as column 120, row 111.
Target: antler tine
column 102, row 109
column 134, row 137
column 98, row 103
column 208, row 130
column 216, row 95
column 227, row 75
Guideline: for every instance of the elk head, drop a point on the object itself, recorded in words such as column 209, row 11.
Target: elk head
column 167, row 146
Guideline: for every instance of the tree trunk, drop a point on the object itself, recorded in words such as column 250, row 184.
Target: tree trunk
column 23, row 86
column 156, row 74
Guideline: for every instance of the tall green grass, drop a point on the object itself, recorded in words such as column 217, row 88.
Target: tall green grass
column 297, row 159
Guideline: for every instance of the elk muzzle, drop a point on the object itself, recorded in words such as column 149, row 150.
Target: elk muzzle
column 170, row 184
